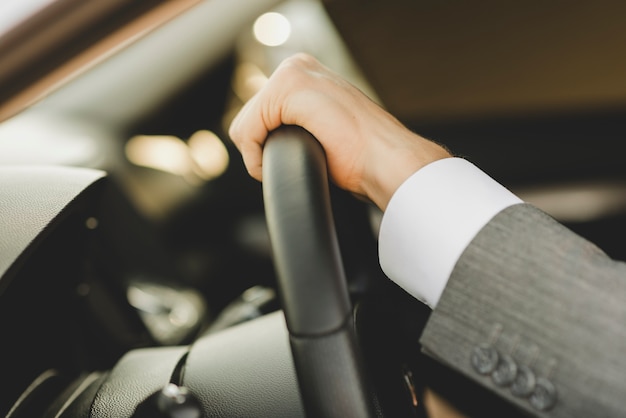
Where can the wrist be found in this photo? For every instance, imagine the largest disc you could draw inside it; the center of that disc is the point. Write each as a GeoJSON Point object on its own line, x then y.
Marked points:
{"type": "Point", "coordinates": [394, 167]}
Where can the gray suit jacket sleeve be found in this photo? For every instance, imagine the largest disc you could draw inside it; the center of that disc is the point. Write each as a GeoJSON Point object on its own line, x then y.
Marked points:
{"type": "Point", "coordinates": [537, 314]}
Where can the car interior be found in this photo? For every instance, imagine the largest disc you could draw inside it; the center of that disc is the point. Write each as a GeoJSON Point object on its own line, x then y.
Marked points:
{"type": "Point", "coordinates": [143, 273]}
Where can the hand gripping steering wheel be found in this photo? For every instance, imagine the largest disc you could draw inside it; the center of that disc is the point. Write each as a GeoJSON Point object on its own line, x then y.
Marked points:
{"type": "Point", "coordinates": [311, 278]}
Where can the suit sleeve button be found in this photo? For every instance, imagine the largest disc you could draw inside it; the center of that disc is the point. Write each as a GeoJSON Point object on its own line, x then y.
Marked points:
{"type": "Point", "coordinates": [484, 359]}
{"type": "Point", "coordinates": [505, 372]}
{"type": "Point", "coordinates": [524, 383]}
{"type": "Point", "coordinates": [544, 396]}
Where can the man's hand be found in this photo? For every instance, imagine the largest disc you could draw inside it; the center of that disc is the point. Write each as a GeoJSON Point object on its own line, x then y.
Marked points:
{"type": "Point", "coordinates": [369, 152]}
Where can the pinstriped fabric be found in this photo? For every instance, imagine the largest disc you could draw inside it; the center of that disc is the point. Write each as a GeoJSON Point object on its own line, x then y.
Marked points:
{"type": "Point", "coordinates": [532, 290]}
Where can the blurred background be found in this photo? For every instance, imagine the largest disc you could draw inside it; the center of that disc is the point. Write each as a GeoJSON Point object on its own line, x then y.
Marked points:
{"type": "Point", "coordinates": [532, 92]}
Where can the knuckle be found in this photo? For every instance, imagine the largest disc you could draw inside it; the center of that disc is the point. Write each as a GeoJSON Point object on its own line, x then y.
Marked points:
{"type": "Point", "coordinates": [296, 70]}
{"type": "Point", "coordinates": [301, 58]}
{"type": "Point", "coordinates": [305, 58]}
{"type": "Point", "coordinates": [298, 63]}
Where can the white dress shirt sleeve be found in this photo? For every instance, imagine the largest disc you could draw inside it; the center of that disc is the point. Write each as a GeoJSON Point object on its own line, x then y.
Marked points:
{"type": "Point", "coordinates": [431, 219]}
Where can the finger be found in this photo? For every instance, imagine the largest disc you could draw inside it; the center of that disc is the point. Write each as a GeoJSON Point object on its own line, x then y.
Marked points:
{"type": "Point", "coordinates": [237, 128]}
{"type": "Point", "coordinates": [252, 154]}
{"type": "Point", "coordinates": [249, 130]}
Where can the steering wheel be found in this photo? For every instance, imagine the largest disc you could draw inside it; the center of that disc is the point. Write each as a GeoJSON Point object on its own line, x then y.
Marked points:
{"type": "Point", "coordinates": [311, 278]}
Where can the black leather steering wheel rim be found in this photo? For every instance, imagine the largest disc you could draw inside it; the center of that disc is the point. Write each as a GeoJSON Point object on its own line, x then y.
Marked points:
{"type": "Point", "coordinates": [311, 279]}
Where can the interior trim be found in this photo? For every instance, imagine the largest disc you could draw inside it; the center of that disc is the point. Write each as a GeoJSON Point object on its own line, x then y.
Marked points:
{"type": "Point", "coordinates": [43, 83]}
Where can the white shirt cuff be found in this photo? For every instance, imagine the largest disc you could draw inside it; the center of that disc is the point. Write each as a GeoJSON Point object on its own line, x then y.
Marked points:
{"type": "Point", "coordinates": [431, 219]}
